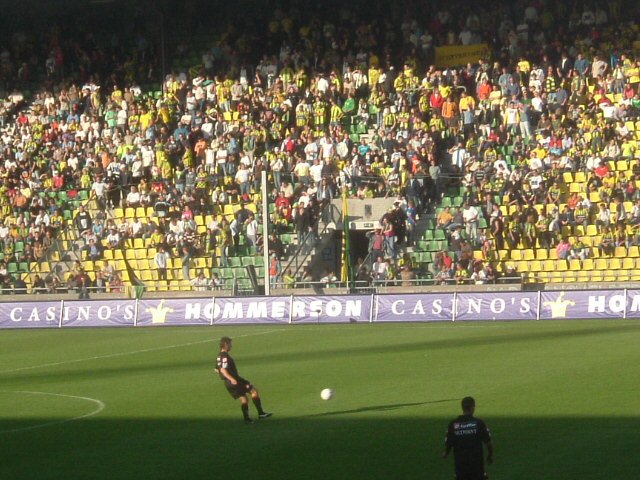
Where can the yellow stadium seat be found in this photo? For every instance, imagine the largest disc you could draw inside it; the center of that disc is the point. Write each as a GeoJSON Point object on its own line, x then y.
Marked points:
{"type": "Point", "coordinates": [582, 276]}
{"type": "Point", "coordinates": [596, 276]}
{"type": "Point", "coordinates": [615, 263]}
{"type": "Point", "coordinates": [129, 212]}
{"type": "Point", "coordinates": [143, 264]}
{"type": "Point", "coordinates": [516, 254]}
{"type": "Point", "coordinates": [542, 254]}
{"type": "Point", "coordinates": [549, 265]}
{"type": "Point", "coordinates": [561, 265]}
{"type": "Point", "coordinates": [622, 276]}
{"type": "Point", "coordinates": [581, 177]}
{"type": "Point", "coordinates": [576, 188]}
{"type": "Point", "coordinates": [620, 252]}
{"type": "Point", "coordinates": [118, 212]}
{"type": "Point", "coordinates": [117, 255]}
{"type": "Point", "coordinates": [535, 266]}
{"type": "Point", "coordinates": [628, 264]}
{"type": "Point", "coordinates": [108, 254]}
{"type": "Point", "coordinates": [556, 277]}
{"type": "Point", "coordinates": [503, 255]}
{"type": "Point", "coordinates": [528, 254]}
{"type": "Point", "coordinates": [138, 243]}
{"type": "Point", "coordinates": [609, 276]}
{"type": "Point", "coordinates": [522, 266]}
{"type": "Point", "coordinates": [570, 277]}
{"type": "Point", "coordinates": [592, 230]}
{"type": "Point", "coordinates": [601, 264]}
{"type": "Point", "coordinates": [594, 197]}
{"type": "Point", "coordinates": [633, 252]}
{"type": "Point", "coordinates": [587, 264]}
{"type": "Point", "coordinates": [543, 277]}
{"type": "Point", "coordinates": [574, 264]}
{"type": "Point", "coordinates": [568, 177]}
{"type": "Point", "coordinates": [120, 265]}
{"type": "Point", "coordinates": [553, 254]}
{"type": "Point", "coordinates": [622, 165]}
{"type": "Point", "coordinates": [129, 254]}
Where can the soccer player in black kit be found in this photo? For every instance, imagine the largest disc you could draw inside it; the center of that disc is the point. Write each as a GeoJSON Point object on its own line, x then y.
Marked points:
{"type": "Point", "coordinates": [237, 386]}
{"type": "Point", "coordinates": [465, 436]}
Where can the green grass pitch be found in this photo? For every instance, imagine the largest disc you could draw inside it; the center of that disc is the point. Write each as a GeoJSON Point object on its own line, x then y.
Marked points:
{"type": "Point", "coordinates": [561, 399]}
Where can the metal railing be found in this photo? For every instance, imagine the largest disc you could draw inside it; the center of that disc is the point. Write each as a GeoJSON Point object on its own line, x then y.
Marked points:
{"type": "Point", "coordinates": [305, 249]}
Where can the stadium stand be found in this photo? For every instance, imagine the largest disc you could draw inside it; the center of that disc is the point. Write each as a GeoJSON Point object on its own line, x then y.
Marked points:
{"type": "Point", "coordinates": [523, 167]}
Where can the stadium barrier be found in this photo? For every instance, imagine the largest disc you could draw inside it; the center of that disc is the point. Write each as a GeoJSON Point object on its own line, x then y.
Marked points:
{"type": "Point", "coordinates": [300, 309]}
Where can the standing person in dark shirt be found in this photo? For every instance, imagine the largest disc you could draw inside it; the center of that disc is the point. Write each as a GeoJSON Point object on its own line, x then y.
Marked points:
{"type": "Point", "coordinates": [465, 437]}
{"type": "Point", "coordinates": [237, 386]}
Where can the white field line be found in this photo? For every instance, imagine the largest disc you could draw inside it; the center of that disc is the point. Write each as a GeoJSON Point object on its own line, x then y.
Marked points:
{"type": "Point", "coordinates": [124, 354]}
{"type": "Point", "coordinates": [99, 407]}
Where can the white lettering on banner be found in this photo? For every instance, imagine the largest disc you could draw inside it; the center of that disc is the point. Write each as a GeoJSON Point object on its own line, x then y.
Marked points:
{"type": "Point", "coordinates": [353, 308]}
{"type": "Point", "coordinates": [437, 307]}
{"type": "Point", "coordinates": [525, 305]}
{"type": "Point", "coordinates": [84, 312]}
{"type": "Point", "coordinates": [635, 303]}
{"type": "Point", "coordinates": [297, 309]}
{"type": "Point", "coordinates": [232, 310]}
{"type": "Point", "coordinates": [315, 308]}
{"type": "Point", "coordinates": [104, 313]}
{"type": "Point", "coordinates": [498, 305]}
{"type": "Point", "coordinates": [278, 309]}
{"type": "Point", "coordinates": [13, 315]}
{"type": "Point", "coordinates": [394, 309]}
{"type": "Point", "coordinates": [192, 311]}
{"type": "Point", "coordinates": [34, 317]}
{"type": "Point", "coordinates": [418, 309]}
{"type": "Point", "coordinates": [598, 304]}
{"type": "Point", "coordinates": [257, 310]}
{"type": "Point", "coordinates": [128, 312]}
{"type": "Point", "coordinates": [474, 305]}
{"type": "Point", "coordinates": [333, 308]}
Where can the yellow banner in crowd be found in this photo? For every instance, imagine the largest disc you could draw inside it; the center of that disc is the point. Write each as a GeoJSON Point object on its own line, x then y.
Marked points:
{"type": "Point", "coordinates": [455, 55]}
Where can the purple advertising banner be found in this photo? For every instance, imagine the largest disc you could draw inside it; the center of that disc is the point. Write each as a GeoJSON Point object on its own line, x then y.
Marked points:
{"type": "Point", "coordinates": [573, 304]}
{"type": "Point", "coordinates": [99, 313]}
{"type": "Point", "coordinates": [346, 309]}
{"type": "Point", "coordinates": [30, 315]}
{"type": "Point", "coordinates": [251, 310]}
{"type": "Point", "coordinates": [183, 311]}
{"type": "Point", "coordinates": [430, 307]}
{"type": "Point", "coordinates": [497, 306]}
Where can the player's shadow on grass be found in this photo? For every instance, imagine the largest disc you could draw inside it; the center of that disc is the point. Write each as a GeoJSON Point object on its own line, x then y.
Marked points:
{"type": "Point", "coordinates": [382, 408]}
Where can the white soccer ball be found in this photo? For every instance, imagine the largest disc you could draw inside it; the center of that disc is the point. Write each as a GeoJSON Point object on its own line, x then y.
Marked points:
{"type": "Point", "coordinates": [327, 394]}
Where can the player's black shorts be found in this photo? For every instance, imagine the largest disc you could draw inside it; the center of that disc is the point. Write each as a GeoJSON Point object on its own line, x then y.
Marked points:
{"type": "Point", "coordinates": [243, 387]}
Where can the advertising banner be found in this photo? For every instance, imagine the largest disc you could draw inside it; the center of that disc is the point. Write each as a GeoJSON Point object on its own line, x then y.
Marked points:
{"type": "Point", "coordinates": [251, 310]}
{"type": "Point", "coordinates": [430, 307]}
{"type": "Point", "coordinates": [573, 304]}
{"type": "Point", "coordinates": [345, 309]}
{"type": "Point", "coordinates": [30, 315]}
{"type": "Point", "coordinates": [182, 311]}
{"type": "Point", "coordinates": [497, 306]}
{"type": "Point", "coordinates": [99, 313]}
{"type": "Point", "coordinates": [456, 55]}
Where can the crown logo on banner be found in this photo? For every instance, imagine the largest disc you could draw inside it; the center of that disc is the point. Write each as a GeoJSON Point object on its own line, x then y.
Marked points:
{"type": "Point", "coordinates": [559, 306]}
{"type": "Point", "coordinates": [159, 313]}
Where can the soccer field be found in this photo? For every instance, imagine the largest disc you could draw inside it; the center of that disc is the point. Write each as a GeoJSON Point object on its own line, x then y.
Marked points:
{"type": "Point", "coordinates": [561, 399]}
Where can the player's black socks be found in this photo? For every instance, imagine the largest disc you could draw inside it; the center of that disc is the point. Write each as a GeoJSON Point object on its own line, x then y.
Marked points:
{"type": "Point", "coordinates": [258, 404]}
{"type": "Point", "coordinates": [245, 411]}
